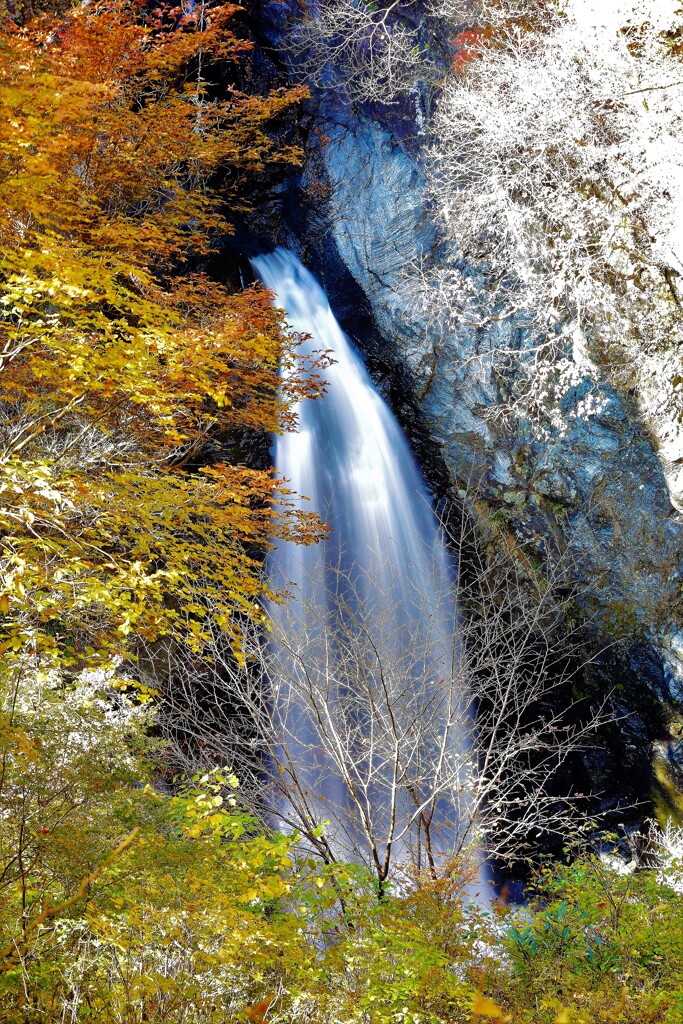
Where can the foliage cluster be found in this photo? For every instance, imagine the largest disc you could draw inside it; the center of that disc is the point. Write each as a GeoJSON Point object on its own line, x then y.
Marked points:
{"type": "Point", "coordinates": [122, 364]}
{"type": "Point", "coordinates": [124, 903]}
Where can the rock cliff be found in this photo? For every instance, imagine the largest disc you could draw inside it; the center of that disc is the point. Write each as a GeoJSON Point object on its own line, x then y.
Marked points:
{"type": "Point", "coordinates": [595, 484]}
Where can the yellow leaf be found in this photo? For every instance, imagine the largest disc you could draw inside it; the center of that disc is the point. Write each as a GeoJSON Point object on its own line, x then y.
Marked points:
{"type": "Point", "coordinates": [249, 896]}
{"type": "Point", "coordinates": [563, 1017]}
{"type": "Point", "coordinates": [482, 1006]}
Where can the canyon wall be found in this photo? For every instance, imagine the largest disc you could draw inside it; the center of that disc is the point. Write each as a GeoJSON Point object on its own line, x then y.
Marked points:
{"type": "Point", "coordinates": [594, 486]}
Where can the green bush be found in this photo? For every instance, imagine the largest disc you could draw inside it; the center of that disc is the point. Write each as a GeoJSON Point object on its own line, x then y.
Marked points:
{"type": "Point", "coordinates": [123, 904]}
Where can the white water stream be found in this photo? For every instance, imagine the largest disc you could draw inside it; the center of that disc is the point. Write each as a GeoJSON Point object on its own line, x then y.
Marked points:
{"type": "Point", "coordinates": [403, 724]}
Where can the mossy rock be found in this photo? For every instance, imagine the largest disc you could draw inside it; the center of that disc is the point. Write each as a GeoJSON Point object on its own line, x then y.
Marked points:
{"type": "Point", "coordinates": [667, 786]}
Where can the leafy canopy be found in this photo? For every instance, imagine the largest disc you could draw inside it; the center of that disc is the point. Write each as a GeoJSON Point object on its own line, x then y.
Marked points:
{"type": "Point", "coordinates": [121, 362]}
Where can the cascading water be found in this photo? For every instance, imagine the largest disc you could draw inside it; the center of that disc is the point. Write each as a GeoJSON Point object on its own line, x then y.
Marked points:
{"type": "Point", "coordinates": [371, 709]}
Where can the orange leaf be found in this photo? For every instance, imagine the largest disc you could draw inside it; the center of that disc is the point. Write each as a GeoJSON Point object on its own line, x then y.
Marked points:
{"type": "Point", "coordinates": [257, 1013]}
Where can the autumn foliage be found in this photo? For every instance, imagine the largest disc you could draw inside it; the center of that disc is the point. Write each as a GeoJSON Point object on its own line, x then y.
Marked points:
{"type": "Point", "coordinates": [467, 46]}
{"type": "Point", "coordinates": [125, 371]}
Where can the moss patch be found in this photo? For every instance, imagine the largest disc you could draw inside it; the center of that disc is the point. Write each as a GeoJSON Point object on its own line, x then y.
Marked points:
{"type": "Point", "coordinates": [667, 791]}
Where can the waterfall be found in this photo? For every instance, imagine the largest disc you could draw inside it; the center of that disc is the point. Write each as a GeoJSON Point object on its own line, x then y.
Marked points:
{"type": "Point", "coordinates": [372, 716]}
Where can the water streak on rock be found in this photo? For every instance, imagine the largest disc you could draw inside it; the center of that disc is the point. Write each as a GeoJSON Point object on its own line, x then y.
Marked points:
{"type": "Point", "coordinates": [385, 568]}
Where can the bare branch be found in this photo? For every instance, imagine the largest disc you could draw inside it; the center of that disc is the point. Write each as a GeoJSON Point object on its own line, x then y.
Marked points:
{"type": "Point", "coordinates": [385, 742]}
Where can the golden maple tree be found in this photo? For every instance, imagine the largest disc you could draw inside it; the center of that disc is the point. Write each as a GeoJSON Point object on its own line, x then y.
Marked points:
{"type": "Point", "coordinates": [120, 363]}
